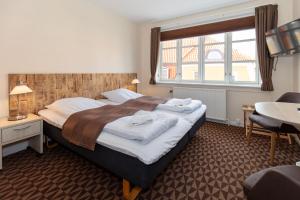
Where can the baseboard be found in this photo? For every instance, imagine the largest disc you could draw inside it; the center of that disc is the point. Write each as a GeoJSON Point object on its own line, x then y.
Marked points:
{"type": "Point", "coordinates": [227, 122]}
{"type": "Point", "coordinates": [235, 123]}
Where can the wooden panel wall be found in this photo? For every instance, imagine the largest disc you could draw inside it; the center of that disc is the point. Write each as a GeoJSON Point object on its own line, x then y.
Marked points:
{"type": "Point", "coordinates": [49, 87]}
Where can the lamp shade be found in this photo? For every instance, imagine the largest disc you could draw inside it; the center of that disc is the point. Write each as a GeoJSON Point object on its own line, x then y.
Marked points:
{"type": "Point", "coordinates": [20, 89]}
{"type": "Point", "coordinates": [135, 81]}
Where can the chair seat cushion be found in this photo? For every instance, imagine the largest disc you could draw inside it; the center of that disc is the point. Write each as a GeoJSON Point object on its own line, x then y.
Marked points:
{"type": "Point", "coordinates": [290, 171]}
{"type": "Point", "coordinates": [265, 122]}
{"type": "Point", "coordinates": [273, 125]}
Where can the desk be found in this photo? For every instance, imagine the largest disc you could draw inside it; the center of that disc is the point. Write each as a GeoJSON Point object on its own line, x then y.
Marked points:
{"type": "Point", "coordinates": [284, 112]}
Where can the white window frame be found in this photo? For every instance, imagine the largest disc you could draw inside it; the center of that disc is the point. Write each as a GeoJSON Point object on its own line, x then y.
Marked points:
{"type": "Point", "coordinates": [228, 80]}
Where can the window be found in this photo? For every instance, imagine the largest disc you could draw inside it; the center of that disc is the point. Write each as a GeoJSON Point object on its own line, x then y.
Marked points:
{"type": "Point", "coordinates": [244, 56]}
{"type": "Point", "coordinates": [225, 58]}
{"type": "Point", "coordinates": [189, 58]}
{"type": "Point", "coordinates": [169, 60]}
{"type": "Point", "coordinates": [214, 57]}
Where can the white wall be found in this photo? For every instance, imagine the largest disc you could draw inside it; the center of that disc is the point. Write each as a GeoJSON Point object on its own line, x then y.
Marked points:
{"type": "Point", "coordinates": [56, 36]}
{"type": "Point", "coordinates": [283, 78]}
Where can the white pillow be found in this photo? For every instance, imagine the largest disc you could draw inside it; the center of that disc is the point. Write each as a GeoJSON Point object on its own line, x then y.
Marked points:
{"type": "Point", "coordinates": [69, 106]}
{"type": "Point", "coordinates": [121, 95]}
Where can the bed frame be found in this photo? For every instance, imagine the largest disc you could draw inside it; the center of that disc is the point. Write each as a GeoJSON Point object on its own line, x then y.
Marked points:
{"type": "Point", "coordinates": [49, 87]}
{"type": "Point", "coordinates": [132, 170]}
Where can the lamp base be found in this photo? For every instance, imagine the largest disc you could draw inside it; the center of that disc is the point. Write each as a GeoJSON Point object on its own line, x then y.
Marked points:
{"type": "Point", "coordinates": [17, 117]}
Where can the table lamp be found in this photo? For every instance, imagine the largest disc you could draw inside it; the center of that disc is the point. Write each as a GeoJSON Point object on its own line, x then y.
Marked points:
{"type": "Point", "coordinates": [21, 88]}
{"type": "Point", "coordinates": [133, 85]}
{"type": "Point", "coordinates": [135, 81]}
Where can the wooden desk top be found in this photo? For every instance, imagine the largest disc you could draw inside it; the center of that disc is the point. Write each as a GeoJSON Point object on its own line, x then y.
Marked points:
{"type": "Point", "coordinates": [248, 107]}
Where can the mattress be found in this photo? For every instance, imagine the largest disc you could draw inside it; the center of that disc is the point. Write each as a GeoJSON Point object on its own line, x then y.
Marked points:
{"type": "Point", "coordinates": [190, 117]}
{"type": "Point", "coordinates": [146, 153]}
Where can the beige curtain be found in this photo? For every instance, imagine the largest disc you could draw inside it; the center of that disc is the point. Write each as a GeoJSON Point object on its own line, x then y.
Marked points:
{"type": "Point", "coordinates": [155, 43]}
{"type": "Point", "coordinates": [266, 18]}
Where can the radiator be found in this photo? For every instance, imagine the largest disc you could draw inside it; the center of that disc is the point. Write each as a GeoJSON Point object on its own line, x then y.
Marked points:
{"type": "Point", "coordinates": [214, 99]}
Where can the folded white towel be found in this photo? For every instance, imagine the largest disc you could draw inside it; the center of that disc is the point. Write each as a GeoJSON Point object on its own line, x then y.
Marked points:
{"type": "Point", "coordinates": [144, 133]}
{"type": "Point", "coordinates": [142, 117]}
{"type": "Point", "coordinates": [195, 104]}
{"type": "Point", "coordinates": [179, 102]}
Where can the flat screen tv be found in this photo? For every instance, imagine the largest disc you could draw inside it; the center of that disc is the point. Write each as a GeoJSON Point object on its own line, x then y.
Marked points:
{"type": "Point", "coordinates": [284, 40]}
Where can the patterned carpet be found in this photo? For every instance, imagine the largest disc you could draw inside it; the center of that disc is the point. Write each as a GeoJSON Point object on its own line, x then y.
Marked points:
{"type": "Point", "coordinates": [212, 167]}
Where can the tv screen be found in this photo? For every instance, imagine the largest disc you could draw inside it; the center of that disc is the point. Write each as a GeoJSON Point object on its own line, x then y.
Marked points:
{"type": "Point", "coordinates": [274, 44]}
{"type": "Point", "coordinates": [284, 40]}
{"type": "Point", "coordinates": [289, 34]}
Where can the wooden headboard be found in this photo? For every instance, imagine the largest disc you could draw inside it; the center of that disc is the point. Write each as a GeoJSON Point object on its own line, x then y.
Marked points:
{"type": "Point", "coordinates": [49, 87]}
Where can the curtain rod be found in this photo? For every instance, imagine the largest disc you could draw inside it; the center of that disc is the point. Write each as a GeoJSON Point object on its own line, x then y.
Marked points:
{"type": "Point", "coordinates": [209, 19]}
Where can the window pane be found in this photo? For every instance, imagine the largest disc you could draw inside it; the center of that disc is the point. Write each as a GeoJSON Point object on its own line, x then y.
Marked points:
{"type": "Point", "coordinates": [243, 35]}
{"type": "Point", "coordinates": [190, 41]}
{"type": "Point", "coordinates": [169, 55]}
{"type": "Point", "coordinates": [214, 72]}
{"type": "Point", "coordinates": [214, 53]}
{"type": "Point", "coordinates": [243, 51]}
{"type": "Point", "coordinates": [189, 54]}
{"type": "Point", "coordinates": [215, 38]}
{"type": "Point", "coordinates": [169, 44]}
{"type": "Point", "coordinates": [168, 72]}
{"type": "Point", "coordinates": [190, 72]}
{"type": "Point", "coordinates": [244, 72]}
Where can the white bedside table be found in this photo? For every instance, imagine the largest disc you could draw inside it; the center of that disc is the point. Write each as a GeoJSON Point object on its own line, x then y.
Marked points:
{"type": "Point", "coordinates": [30, 129]}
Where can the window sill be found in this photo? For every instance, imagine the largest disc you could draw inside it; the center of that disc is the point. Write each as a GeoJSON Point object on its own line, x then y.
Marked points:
{"type": "Point", "coordinates": [221, 85]}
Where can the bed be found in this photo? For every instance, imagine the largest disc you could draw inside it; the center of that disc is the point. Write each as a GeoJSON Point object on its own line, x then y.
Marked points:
{"type": "Point", "coordinates": [137, 169]}
{"type": "Point", "coordinates": [132, 169]}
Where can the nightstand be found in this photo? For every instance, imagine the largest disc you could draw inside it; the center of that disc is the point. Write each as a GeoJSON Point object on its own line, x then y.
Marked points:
{"type": "Point", "coordinates": [248, 110]}
{"type": "Point", "coordinates": [30, 129]}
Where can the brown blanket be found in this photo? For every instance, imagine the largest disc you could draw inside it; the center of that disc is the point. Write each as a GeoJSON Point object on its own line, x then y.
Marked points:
{"type": "Point", "coordinates": [83, 128]}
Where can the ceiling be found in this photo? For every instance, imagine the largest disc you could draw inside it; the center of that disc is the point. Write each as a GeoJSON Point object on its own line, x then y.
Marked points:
{"type": "Point", "coordinates": [154, 10]}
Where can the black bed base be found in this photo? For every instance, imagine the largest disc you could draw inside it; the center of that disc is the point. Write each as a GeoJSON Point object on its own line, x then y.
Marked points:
{"type": "Point", "coordinates": [122, 165]}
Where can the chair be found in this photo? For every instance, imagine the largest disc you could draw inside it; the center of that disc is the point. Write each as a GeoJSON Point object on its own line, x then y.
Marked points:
{"type": "Point", "coordinates": [274, 126]}
{"type": "Point", "coordinates": [276, 183]}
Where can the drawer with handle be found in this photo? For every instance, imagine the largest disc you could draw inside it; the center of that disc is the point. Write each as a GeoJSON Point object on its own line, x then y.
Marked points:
{"type": "Point", "coordinates": [21, 131]}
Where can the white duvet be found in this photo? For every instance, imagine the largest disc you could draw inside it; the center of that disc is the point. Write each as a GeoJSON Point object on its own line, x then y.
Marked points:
{"type": "Point", "coordinates": [147, 153]}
